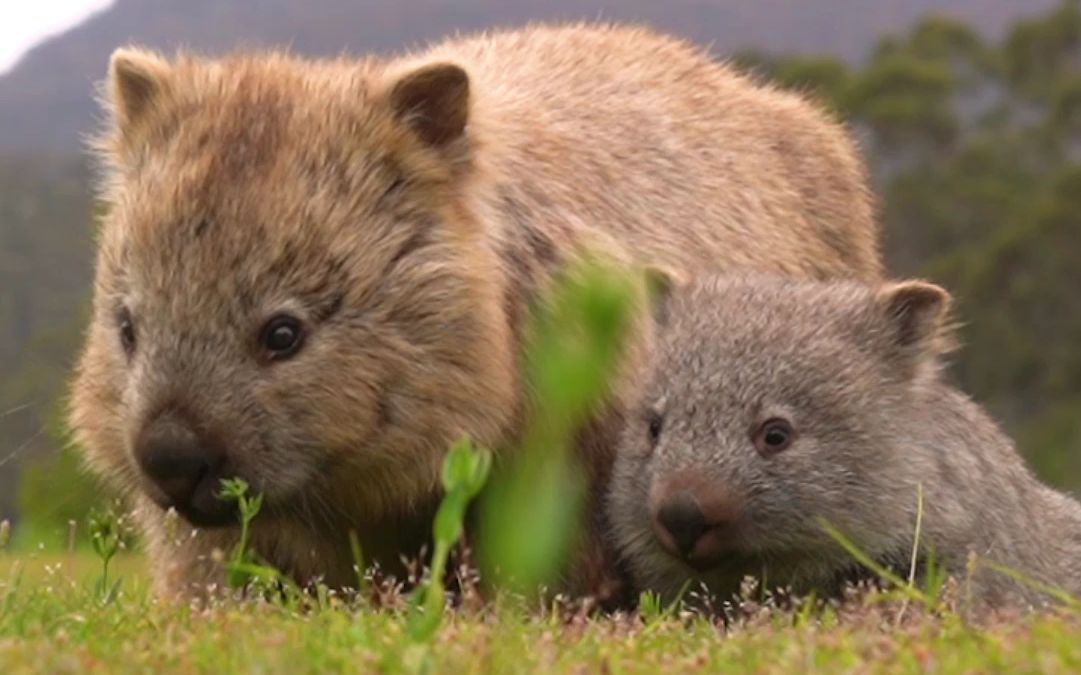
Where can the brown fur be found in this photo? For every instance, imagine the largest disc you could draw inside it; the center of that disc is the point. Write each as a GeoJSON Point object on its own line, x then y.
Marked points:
{"type": "Point", "coordinates": [349, 193]}
{"type": "Point", "coordinates": [855, 369]}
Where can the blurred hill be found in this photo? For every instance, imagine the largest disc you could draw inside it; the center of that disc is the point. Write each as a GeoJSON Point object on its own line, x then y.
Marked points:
{"type": "Point", "coordinates": [45, 100]}
{"type": "Point", "coordinates": [970, 118]}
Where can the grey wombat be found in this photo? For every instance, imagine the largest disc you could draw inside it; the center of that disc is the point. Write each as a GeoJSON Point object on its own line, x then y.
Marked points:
{"type": "Point", "coordinates": [773, 404]}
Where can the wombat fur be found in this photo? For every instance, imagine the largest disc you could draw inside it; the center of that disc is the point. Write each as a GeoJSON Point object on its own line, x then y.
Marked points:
{"type": "Point", "coordinates": [313, 275]}
{"type": "Point", "coordinates": [775, 404]}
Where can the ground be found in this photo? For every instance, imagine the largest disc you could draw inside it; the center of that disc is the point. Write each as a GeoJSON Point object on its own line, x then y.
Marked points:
{"type": "Point", "coordinates": [53, 619]}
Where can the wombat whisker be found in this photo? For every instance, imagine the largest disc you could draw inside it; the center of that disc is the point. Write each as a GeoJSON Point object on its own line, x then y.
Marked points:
{"type": "Point", "coordinates": [21, 447]}
{"type": "Point", "coordinates": [16, 409]}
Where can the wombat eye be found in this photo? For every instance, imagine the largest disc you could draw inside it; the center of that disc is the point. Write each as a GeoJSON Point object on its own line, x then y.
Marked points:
{"type": "Point", "coordinates": [127, 331]}
{"type": "Point", "coordinates": [774, 436]}
{"type": "Point", "coordinates": [282, 336]}
{"type": "Point", "coordinates": [656, 425]}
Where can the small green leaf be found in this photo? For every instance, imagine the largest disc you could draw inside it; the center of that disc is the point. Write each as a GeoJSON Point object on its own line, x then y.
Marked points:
{"type": "Point", "coordinates": [448, 519]}
{"type": "Point", "coordinates": [482, 466]}
{"type": "Point", "coordinates": [458, 465]}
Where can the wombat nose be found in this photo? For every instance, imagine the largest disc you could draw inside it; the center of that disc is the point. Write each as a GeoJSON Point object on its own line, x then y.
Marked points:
{"type": "Point", "coordinates": [177, 470]}
{"type": "Point", "coordinates": [183, 468]}
{"type": "Point", "coordinates": [681, 518]}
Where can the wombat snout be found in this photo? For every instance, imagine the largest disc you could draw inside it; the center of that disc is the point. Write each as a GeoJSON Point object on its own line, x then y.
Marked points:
{"type": "Point", "coordinates": [694, 521]}
{"type": "Point", "coordinates": [681, 522]}
{"type": "Point", "coordinates": [184, 468]}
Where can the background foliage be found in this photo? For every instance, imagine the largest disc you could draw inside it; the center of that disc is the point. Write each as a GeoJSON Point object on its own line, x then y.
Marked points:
{"type": "Point", "coordinates": [976, 150]}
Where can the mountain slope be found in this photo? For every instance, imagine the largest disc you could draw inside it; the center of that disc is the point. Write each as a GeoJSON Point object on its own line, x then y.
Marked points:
{"type": "Point", "coordinates": [46, 100]}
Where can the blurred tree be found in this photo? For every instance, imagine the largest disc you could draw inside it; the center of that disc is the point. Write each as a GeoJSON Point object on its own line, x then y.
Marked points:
{"type": "Point", "coordinates": [976, 152]}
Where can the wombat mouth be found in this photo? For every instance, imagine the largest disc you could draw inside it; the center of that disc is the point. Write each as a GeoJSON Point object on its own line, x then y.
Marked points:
{"type": "Point", "coordinates": [206, 513]}
{"type": "Point", "coordinates": [725, 563]}
{"type": "Point", "coordinates": [216, 517]}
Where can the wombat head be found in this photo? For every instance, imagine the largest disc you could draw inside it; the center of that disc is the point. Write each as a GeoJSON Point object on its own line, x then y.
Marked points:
{"type": "Point", "coordinates": [771, 405]}
{"type": "Point", "coordinates": [288, 290]}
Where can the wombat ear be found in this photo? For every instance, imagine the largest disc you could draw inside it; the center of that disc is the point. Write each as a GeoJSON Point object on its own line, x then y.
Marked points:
{"type": "Point", "coordinates": [660, 284]}
{"type": "Point", "coordinates": [137, 82]}
{"type": "Point", "coordinates": [916, 313]}
{"type": "Point", "coordinates": [434, 102]}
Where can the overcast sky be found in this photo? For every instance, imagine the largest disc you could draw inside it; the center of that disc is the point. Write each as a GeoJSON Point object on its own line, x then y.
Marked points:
{"type": "Point", "coordinates": [24, 23]}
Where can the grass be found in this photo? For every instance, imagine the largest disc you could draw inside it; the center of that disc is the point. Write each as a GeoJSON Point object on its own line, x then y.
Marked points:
{"type": "Point", "coordinates": [54, 620]}
{"type": "Point", "coordinates": [91, 611]}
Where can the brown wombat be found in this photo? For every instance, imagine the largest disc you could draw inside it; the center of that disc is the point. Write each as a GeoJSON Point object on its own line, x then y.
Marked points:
{"type": "Point", "coordinates": [312, 275]}
{"type": "Point", "coordinates": [775, 403]}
